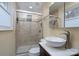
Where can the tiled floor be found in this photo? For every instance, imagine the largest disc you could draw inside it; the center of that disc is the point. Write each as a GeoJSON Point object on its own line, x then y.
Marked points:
{"type": "Point", "coordinates": [23, 54]}
{"type": "Point", "coordinates": [23, 50]}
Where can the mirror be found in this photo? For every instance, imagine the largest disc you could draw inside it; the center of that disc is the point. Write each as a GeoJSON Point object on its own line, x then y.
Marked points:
{"type": "Point", "coordinates": [6, 22]}
{"type": "Point", "coordinates": [71, 14]}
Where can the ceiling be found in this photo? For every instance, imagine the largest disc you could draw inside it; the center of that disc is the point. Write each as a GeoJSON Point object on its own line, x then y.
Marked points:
{"type": "Point", "coordinates": [30, 6]}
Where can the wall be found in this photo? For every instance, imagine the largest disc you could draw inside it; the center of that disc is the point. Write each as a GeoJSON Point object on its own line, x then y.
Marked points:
{"type": "Point", "coordinates": [55, 32]}
{"type": "Point", "coordinates": [47, 31]}
{"type": "Point", "coordinates": [45, 21]}
{"type": "Point", "coordinates": [7, 38]}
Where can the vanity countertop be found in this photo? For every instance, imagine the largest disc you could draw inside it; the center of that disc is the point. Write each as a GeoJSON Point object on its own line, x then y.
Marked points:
{"type": "Point", "coordinates": [59, 51]}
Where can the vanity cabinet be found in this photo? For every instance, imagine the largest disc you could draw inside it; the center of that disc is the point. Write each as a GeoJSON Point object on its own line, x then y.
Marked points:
{"type": "Point", "coordinates": [43, 52]}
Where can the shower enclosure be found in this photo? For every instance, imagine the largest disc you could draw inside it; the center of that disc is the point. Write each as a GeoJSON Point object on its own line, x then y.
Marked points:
{"type": "Point", "coordinates": [28, 31]}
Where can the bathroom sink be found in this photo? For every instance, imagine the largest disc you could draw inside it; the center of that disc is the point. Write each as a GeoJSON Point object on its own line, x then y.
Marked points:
{"type": "Point", "coordinates": [55, 41]}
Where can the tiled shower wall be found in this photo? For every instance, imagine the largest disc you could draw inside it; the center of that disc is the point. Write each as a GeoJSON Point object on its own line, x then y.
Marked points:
{"type": "Point", "coordinates": [28, 33]}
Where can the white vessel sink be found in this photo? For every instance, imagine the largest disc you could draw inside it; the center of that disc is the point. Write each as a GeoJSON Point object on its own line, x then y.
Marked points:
{"type": "Point", "coordinates": [55, 41]}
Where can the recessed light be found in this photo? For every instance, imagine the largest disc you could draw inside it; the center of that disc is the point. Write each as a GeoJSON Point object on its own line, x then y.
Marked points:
{"type": "Point", "coordinates": [30, 7]}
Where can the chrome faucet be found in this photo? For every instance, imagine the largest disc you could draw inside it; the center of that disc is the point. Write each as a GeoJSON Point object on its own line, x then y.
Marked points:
{"type": "Point", "coordinates": [67, 33]}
